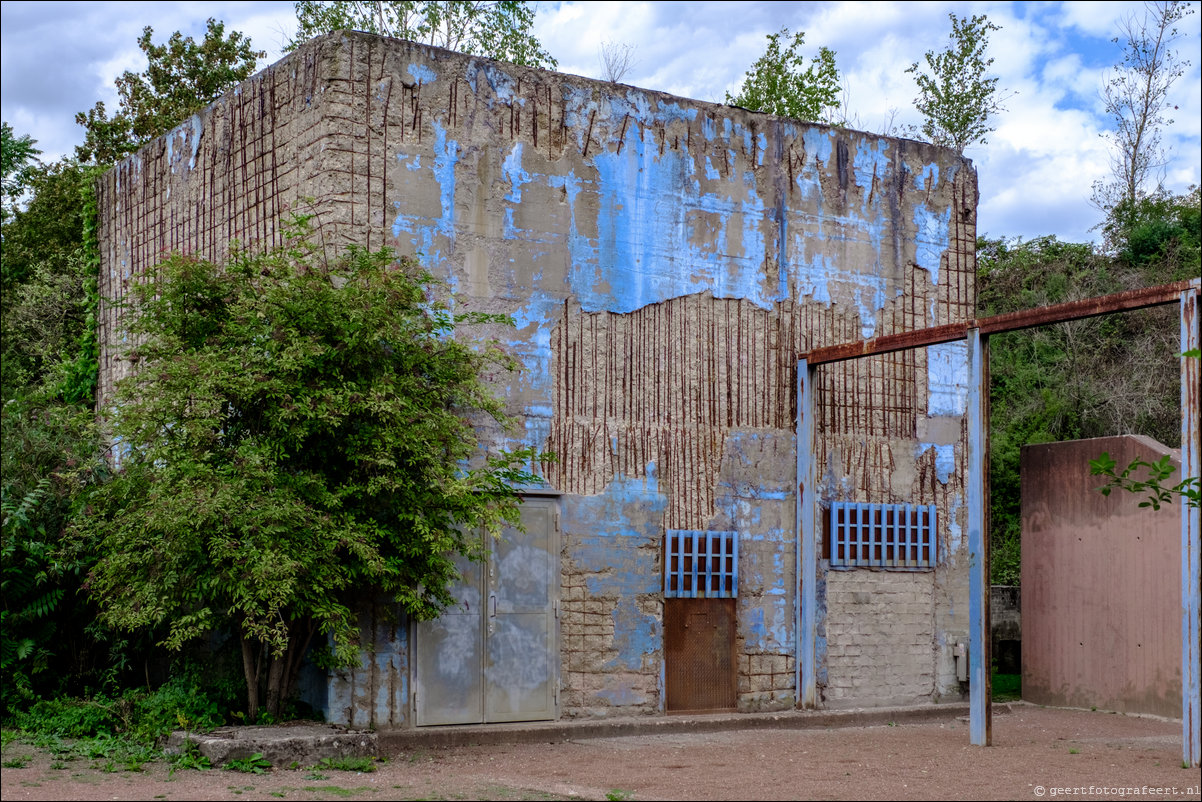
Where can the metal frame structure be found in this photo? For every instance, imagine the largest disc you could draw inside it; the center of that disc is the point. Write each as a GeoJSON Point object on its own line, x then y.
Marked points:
{"type": "Point", "coordinates": [976, 333]}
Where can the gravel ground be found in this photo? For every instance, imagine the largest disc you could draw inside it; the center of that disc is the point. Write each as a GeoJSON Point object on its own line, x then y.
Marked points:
{"type": "Point", "coordinates": [1036, 753]}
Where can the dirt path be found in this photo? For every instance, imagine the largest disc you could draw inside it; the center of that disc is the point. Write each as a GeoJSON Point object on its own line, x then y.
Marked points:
{"type": "Point", "coordinates": [1035, 750]}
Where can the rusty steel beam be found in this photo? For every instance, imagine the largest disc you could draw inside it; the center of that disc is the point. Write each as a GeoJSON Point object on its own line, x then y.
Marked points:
{"type": "Point", "coordinates": [889, 343]}
{"type": "Point", "coordinates": [1087, 307]}
{"type": "Point", "coordinates": [1011, 321]}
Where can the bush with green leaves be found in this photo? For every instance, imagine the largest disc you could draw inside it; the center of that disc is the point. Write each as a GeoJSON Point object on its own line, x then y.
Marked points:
{"type": "Point", "coordinates": [50, 461]}
{"type": "Point", "coordinates": [1069, 380]}
{"type": "Point", "coordinates": [299, 436]}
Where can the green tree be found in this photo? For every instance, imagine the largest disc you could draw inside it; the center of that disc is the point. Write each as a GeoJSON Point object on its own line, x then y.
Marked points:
{"type": "Point", "coordinates": [955, 97]}
{"type": "Point", "coordinates": [780, 83]}
{"type": "Point", "coordinates": [51, 458]}
{"type": "Point", "coordinates": [181, 78]}
{"type": "Point", "coordinates": [1070, 380]}
{"type": "Point", "coordinates": [44, 276]}
{"type": "Point", "coordinates": [1136, 98]}
{"type": "Point", "coordinates": [299, 437]}
{"type": "Point", "coordinates": [16, 155]}
{"type": "Point", "coordinates": [502, 30]}
{"type": "Point", "coordinates": [1159, 233]}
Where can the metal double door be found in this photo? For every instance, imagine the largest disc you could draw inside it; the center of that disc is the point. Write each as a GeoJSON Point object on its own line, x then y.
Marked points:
{"type": "Point", "coordinates": [494, 656]}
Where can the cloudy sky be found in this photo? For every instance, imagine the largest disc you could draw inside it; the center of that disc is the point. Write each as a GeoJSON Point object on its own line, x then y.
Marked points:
{"type": "Point", "coordinates": [1035, 173]}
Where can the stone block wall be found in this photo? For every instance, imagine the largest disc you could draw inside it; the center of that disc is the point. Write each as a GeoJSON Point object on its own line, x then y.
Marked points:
{"type": "Point", "coordinates": [880, 638]}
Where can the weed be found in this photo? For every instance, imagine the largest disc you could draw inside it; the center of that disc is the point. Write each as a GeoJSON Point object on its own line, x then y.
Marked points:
{"type": "Point", "coordinates": [16, 762]}
{"type": "Point", "coordinates": [255, 764]}
{"type": "Point", "coordinates": [58, 765]}
{"type": "Point", "coordinates": [316, 775]}
{"type": "Point", "coordinates": [1074, 751]}
{"type": "Point", "coordinates": [618, 795]}
{"type": "Point", "coordinates": [190, 757]}
{"type": "Point", "coordinates": [361, 764]}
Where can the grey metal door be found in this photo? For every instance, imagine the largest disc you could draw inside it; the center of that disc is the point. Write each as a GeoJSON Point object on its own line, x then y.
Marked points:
{"type": "Point", "coordinates": [493, 658]}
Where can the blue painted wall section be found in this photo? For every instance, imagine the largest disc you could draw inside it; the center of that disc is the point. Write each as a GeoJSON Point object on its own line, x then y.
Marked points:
{"type": "Point", "coordinates": [613, 542]}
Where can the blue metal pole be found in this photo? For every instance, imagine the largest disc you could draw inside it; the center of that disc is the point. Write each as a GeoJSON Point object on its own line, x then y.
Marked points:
{"type": "Point", "coordinates": [807, 546]}
{"type": "Point", "coordinates": [976, 486]}
{"type": "Point", "coordinates": [1191, 459]}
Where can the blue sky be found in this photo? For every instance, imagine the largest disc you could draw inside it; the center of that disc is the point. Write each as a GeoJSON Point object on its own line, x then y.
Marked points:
{"type": "Point", "coordinates": [1034, 175]}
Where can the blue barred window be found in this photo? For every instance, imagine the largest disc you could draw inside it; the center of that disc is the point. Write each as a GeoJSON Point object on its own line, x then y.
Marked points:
{"type": "Point", "coordinates": [701, 565]}
{"type": "Point", "coordinates": [899, 537]}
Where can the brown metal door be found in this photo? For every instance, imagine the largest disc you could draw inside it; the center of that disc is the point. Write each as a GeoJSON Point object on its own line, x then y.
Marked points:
{"type": "Point", "coordinates": [699, 655]}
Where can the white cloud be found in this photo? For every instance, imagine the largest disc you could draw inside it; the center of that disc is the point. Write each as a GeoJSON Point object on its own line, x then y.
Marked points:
{"type": "Point", "coordinates": [1035, 174]}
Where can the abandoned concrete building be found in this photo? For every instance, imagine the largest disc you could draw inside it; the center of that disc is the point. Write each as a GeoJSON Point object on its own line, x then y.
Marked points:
{"type": "Point", "coordinates": [666, 262]}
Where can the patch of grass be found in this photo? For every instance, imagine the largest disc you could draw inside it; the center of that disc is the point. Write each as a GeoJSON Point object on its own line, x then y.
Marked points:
{"type": "Point", "coordinates": [255, 764]}
{"type": "Point", "coordinates": [361, 764]}
{"type": "Point", "coordinates": [1007, 687]}
{"type": "Point", "coordinates": [316, 775]}
{"type": "Point", "coordinates": [19, 762]}
{"type": "Point", "coordinates": [619, 795]}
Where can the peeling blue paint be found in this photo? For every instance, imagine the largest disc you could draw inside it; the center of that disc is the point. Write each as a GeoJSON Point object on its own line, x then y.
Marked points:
{"type": "Point", "coordinates": [927, 177]}
{"type": "Point", "coordinates": [412, 166]}
{"type": "Point", "coordinates": [947, 379]}
{"type": "Point", "coordinates": [931, 238]}
{"type": "Point", "coordinates": [945, 459]}
{"type": "Point", "coordinates": [514, 172]}
{"type": "Point", "coordinates": [650, 210]}
{"type": "Point", "coordinates": [424, 229]}
{"type": "Point", "coordinates": [635, 634]}
{"type": "Point", "coordinates": [621, 554]}
{"type": "Point", "coordinates": [955, 528]}
{"type": "Point", "coordinates": [422, 74]}
{"type": "Point", "coordinates": [532, 342]}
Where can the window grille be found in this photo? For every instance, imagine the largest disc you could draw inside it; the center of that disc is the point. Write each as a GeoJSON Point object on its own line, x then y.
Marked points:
{"type": "Point", "coordinates": [900, 537]}
{"type": "Point", "coordinates": [701, 565]}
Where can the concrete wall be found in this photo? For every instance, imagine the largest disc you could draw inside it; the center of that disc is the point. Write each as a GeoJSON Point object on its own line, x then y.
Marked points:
{"type": "Point", "coordinates": [1101, 584]}
{"type": "Point", "coordinates": [665, 261]}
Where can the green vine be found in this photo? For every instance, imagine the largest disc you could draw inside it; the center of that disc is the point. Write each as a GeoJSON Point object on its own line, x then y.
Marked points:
{"type": "Point", "coordinates": [82, 373]}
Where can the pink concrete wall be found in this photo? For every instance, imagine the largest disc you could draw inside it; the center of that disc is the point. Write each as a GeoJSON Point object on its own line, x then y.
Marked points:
{"type": "Point", "coordinates": [1101, 584]}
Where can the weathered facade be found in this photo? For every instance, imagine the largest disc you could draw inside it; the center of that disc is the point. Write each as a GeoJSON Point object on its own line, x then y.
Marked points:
{"type": "Point", "coordinates": [666, 262]}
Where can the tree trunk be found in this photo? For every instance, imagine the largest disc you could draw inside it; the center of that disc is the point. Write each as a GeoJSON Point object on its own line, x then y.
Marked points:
{"type": "Point", "coordinates": [275, 685]}
{"type": "Point", "coordinates": [250, 670]}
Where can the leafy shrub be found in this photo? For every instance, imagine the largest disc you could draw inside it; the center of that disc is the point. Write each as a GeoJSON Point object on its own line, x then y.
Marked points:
{"type": "Point", "coordinates": [69, 718]}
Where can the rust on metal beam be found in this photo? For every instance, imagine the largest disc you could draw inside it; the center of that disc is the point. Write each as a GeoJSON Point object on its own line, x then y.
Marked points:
{"type": "Point", "coordinates": [1087, 307]}
{"type": "Point", "coordinates": [889, 343]}
{"type": "Point", "coordinates": [1011, 321]}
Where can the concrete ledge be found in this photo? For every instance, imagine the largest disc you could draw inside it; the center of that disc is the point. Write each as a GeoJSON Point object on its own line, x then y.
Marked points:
{"type": "Point", "coordinates": [281, 746]}
{"type": "Point", "coordinates": [392, 742]}
{"type": "Point", "coordinates": [307, 744]}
